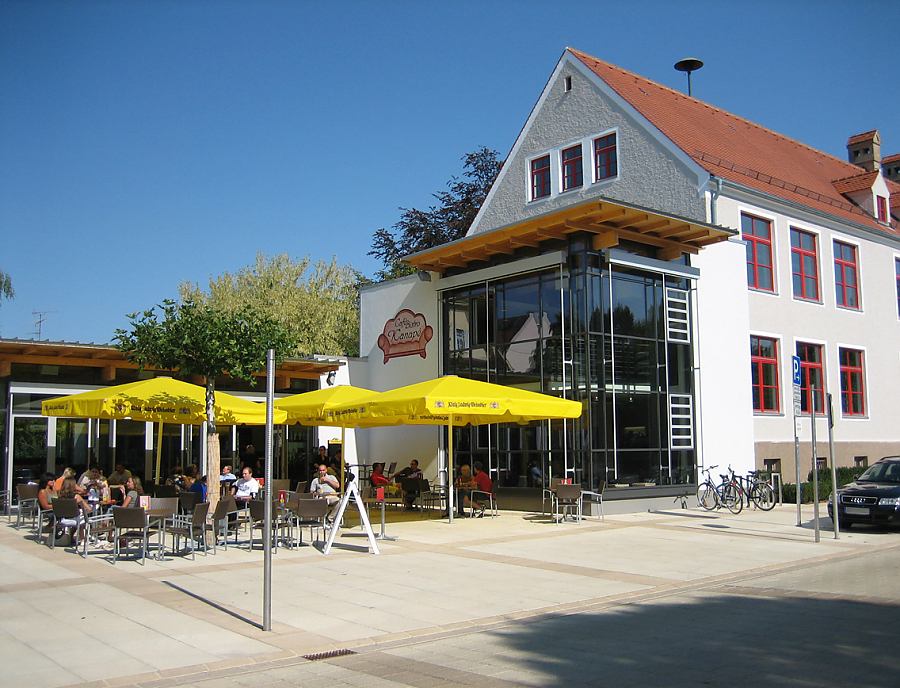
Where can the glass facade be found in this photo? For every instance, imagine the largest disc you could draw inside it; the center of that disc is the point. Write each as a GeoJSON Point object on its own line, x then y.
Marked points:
{"type": "Point", "coordinates": [616, 338]}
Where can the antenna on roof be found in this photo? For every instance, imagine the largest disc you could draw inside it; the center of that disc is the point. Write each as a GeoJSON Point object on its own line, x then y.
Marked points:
{"type": "Point", "coordinates": [688, 64]}
{"type": "Point", "coordinates": [39, 321]}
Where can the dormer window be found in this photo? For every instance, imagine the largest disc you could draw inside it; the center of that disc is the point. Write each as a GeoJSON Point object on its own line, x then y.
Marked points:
{"type": "Point", "coordinates": [882, 207]}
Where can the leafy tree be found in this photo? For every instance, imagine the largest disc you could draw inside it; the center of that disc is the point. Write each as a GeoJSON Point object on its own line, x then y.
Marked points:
{"type": "Point", "coordinates": [450, 219]}
{"type": "Point", "coordinates": [197, 339]}
{"type": "Point", "coordinates": [318, 302]}
{"type": "Point", "coordinates": [6, 288]}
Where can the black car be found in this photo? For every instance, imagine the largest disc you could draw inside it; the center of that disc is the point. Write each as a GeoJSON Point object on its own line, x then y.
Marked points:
{"type": "Point", "coordinates": [874, 497]}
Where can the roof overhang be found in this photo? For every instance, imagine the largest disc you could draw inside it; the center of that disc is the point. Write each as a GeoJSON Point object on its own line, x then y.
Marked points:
{"type": "Point", "coordinates": [110, 358]}
{"type": "Point", "coordinates": [609, 221]}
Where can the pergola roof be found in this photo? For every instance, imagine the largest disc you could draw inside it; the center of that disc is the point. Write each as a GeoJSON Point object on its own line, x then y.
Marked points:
{"type": "Point", "coordinates": [610, 222]}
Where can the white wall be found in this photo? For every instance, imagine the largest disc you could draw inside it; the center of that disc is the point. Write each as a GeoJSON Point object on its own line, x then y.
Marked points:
{"type": "Point", "coordinates": [380, 303]}
{"type": "Point", "coordinates": [725, 401]}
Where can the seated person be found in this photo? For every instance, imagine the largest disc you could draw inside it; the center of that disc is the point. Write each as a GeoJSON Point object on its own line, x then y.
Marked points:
{"type": "Point", "coordinates": [69, 472]}
{"type": "Point", "coordinates": [464, 484]}
{"type": "Point", "coordinates": [190, 475]}
{"type": "Point", "coordinates": [69, 491]}
{"type": "Point", "coordinates": [92, 482]}
{"type": "Point", "coordinates": [47, 491]}
{"type": "Point", "coordinates": [245, 488]}
{"type": "Point", "coordinates": [199, 485]}
{"type": "Point", "coordinates": [379, 479]}
{"type": "Point", "coordinates": [177, 479]}
{"type": "Point", "coordinates": [119, 476]}
{"type": "Point", "coordinates": [326, 486]}
{"type": "Point", "coordinates": [227, 476]}
{"type": "Point", "coordinates": [411, 471]}
{"type": "Point", "coordinates": [132, 489]}
{"type": "Point", "coordinates": [485, 485]}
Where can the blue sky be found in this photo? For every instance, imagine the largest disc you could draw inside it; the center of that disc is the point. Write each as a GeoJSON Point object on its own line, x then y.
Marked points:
{"type": "Point", "coordinates": [145, 143]}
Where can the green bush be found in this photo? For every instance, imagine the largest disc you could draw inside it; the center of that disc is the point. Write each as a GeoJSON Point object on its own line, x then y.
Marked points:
{"type": "Point", "coordinates": [845, 475]}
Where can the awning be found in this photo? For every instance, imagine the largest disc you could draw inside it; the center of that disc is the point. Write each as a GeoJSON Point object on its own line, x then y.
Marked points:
{"type": "Point", "coordinates": [610, 221]}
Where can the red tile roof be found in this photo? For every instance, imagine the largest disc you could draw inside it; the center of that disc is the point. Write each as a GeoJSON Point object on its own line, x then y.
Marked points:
{"type": "Point", "coordinates": [737, 149]}
{"type": "Point", "coordinates": [865, 136]}
{"type": "Point", "coordinates": [890, 158]}
{"type": "Point", "coordinates": [863, 180]}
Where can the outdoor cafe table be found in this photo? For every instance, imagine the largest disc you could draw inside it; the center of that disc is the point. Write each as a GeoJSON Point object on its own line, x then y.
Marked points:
{"type": "Point", "coordinates": [157, 519]}
{"type": "Point", "coordinates": [394, 499]}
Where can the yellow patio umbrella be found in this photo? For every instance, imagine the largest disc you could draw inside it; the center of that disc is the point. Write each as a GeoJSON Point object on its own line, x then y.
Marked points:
{"type": "Point", "coordinates": [452, 400]}
{"type": "Point", "coordinates": [311, 408]}
{"type": "Point", "coordinates": [159, 400]}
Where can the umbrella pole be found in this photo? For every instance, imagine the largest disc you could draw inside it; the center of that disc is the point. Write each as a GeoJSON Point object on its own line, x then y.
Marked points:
{"type": "Point", "coordinates": [159, 439]}
{"type": "Point", "coordinates": [343, 457]}
{"type": "Point", "coordinates": [450, 506]}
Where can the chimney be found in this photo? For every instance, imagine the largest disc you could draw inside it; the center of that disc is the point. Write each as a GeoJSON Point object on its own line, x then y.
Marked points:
{"type": "Point", "coordinates": [890, 167]}
{"type": "Point", "coordinates": [865, 150]}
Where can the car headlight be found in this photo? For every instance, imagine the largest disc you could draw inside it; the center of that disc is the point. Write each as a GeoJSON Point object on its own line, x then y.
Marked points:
{"type": "Point", "coordinates": [889, 501]}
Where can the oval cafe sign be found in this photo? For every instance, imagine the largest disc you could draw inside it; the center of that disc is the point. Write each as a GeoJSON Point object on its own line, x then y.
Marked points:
{"type": "Point", "coordinates": [406, 334]}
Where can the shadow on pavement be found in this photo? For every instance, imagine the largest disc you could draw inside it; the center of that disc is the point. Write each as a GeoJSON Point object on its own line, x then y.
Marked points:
{"type": "Point", "coordinates": [726, 640]}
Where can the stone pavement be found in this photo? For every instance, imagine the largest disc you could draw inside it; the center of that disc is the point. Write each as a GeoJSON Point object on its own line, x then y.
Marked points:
{"type": "Point", "coordinates": [676, 598]}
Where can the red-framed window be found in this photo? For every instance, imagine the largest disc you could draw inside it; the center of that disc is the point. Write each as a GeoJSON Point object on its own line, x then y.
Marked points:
{"type": "Point", "coordinates": [757, 235]}
{"type": "Point", "coordinates": [812, 377]}
{"type": "Point", "coordinates": [764, 362]}
{"type": "Point", "coordinates": [846, 275]}
{"type": "Point", "coordinates": [804, 265]}
{"type": "Point", "coordinates": [540, 177]}
{"type": "Point", "coordinates": [897, 271]}
{"type": "Point", "coordinates": [853, 389]}
{"type": "Point", "coordinates": [573, 172]}
{"type": "Point", "coordinates": [606, 163]}
{"type": "Point", "coordinates": [882, 208]}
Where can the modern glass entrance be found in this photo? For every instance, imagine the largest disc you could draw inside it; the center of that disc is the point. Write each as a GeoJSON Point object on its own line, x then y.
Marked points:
{"type": "Point", "coordinates": [613, 334]}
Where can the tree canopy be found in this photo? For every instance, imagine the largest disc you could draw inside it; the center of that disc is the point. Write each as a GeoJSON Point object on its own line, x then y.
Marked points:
{"type": "Point", "coordinates": [6, 288]}
{"type": "Point", "coordinates": [448, 220]}
{"type": "Point", "coordinates": [317, 302]}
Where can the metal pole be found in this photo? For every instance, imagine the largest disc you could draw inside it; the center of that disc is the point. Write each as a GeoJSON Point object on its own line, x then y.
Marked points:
{"type": "Point", "coordinates": [450, 505]}
{"type": "Point", "coordinates": [834, 506]}
{"type": "Point", "coordinates": [267, 530]}
{"type": "Point", "coordinates": [815, 460]}
{"type": "Point", "coordinates": [797, 467]}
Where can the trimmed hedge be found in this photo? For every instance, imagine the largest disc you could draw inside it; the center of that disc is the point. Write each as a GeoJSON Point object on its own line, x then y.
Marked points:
{"type": "Point", "coordinates": [845, 475]}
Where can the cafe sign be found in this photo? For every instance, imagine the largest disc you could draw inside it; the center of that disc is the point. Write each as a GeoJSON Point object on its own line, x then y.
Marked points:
{"type": "Point", "coordinates": [406, 334]}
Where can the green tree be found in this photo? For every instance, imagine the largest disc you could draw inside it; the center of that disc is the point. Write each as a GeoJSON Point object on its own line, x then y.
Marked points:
{"type": "Point", "coordinates": [197, 339]}
{"type": "Point", "coordinates": [450, 219]}
{"type": "Point", "coordinates": [318, 302]}
{"type": "Point", "coordinates": [6, 288]}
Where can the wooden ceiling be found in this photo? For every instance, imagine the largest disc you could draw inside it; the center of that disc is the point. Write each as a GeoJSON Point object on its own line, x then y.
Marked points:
{"type": "Point", "coordinates": [109, 358]}
{"type": "Point", "coordinates": [608, 221]}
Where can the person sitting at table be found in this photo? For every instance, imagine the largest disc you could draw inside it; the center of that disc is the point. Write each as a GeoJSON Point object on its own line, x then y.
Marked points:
{"type": "Point", "coordinates": [326, 487]}
{"type": "Point", "coordinates": [411, 471]}
{"type": "Point", "coordinates": [379, 479]}
{"type": "Point", "coordinates": [227, 476]}
{"type": "Point", "coordinates": [199, 485]}
{"type": "Point", "coordinates": [132, 489]}
{"type": "Point", "coordinates": [92, 479]}
{"type": "Point", "coordinates": [190, 475]}
{"type": "Point", "coordinates": [465, 481]}
{"type": "Point", "coordinates": [177, 479]}
{"type": "Point", "coordinates": [119, 476]}
{"type": "Point", "coordinates": [68, 472]}
{"type": "Point", "coordinates": [47, 491]}
{"type": "Point", "coordinates": [485, 484]}
{"type": "Point", "coordinates": [69, 491]}
{"type": "Point", "coordinates": [246, 487]}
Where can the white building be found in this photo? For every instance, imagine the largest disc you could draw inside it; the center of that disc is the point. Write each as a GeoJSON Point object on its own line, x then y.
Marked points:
{"type": "Point", "coordinates": [660, 260]}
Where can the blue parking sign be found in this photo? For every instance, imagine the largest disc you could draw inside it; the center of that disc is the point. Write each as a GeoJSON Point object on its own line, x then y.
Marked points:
{"type": "Point", "coordinates": [795, 362]}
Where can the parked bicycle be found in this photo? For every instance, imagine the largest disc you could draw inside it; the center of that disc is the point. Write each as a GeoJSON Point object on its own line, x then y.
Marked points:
{"type": "Point", "coordinates": [728, 493]}
{"type": "Point", "coordinates": [759, 492]}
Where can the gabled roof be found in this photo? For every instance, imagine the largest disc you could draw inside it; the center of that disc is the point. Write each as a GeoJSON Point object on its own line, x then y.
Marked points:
{"type": "Point", "coordinates": [737, 149]}
{"type": "Point", "coordinates": [859, 182]}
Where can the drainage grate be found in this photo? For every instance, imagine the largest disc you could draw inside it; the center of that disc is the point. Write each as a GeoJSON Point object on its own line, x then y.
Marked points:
{"type": "Point", "coordinates": [328, 655]}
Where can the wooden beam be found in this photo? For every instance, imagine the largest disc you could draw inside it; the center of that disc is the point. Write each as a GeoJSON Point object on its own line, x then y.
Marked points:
{"type": "Point", "coordinates": [108, 374]}
{"type": "Point", "coordinates": [524, 241]}
{"type": "Point", "coordinates": [5, 368]}
{"type": "Point", "coordinates": [584, 226]}
{"type": "Point", "coordinates": [668, 254]}
{"type": "Point", "coordinates": [500, 248]}
{"type": "Point", "coordinates": [654, 241]}
{"type": "Point", "coordinates": [677, 229]}
{"type": "Point", "coordinates": [452, 260]}
{"type": "Point", "coordinates": [652, 226]}
{"type": "Point", "coordinates": [605, 240]}
{"type": "Point", "coordinates": [550, 234]}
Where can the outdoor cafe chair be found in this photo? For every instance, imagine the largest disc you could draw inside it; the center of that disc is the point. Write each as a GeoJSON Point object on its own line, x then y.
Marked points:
{"type": "Point", "coordinates": [257, 508]}
{"type": "Point", "coordinates": [567, 498]}
{"type": "Point", "coordinates": [432, 496]}
{"type": "Point", "coordinates": [308, 513]}
{"type": "Point", "coordinates": [481, 497]}
{"type": "Point", "coordinates": [548, 493]}
{"type": "Point", "coordinates": [44, 521]}
{"type": "Point", "coordinates": [97, 527]}
{"type": "Point", "coordinates": [596, 496]}
{"type": "Point", "coordinates": [191, 527]}
{"type": "Point", "coordinates": [130, 523]}
{"type": "Point", "coordinates": [224, 521]}
{"type": "Point", "coordinates": [188, 500]}
{"type": "Point", "coordinates": [26, 496]}
{"type": "Point", "coordinates": [64, 510]}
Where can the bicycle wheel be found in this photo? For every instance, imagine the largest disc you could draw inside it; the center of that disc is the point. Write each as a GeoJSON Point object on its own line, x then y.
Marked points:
{"type": "Point", "coordinates": [733, 498]}
{"type": "Point", "coordinates": [763, 496]}
{"type": "Point", "coordinates": [706, 496]}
